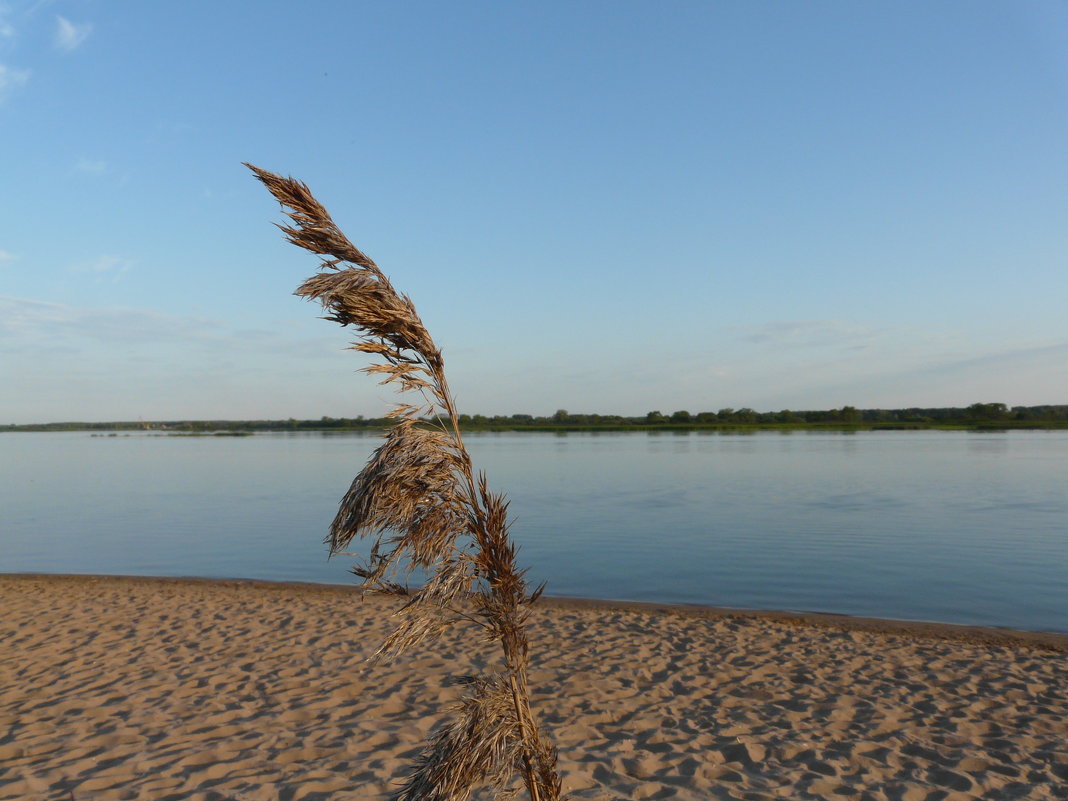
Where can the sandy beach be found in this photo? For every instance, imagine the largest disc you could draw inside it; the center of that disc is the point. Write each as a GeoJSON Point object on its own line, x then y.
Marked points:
{"type": "Point", "coordinates": [161, 689]}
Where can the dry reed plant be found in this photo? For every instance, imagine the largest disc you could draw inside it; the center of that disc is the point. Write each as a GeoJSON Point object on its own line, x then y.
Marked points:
{"type": "Point", "coordinates": [420, 502]}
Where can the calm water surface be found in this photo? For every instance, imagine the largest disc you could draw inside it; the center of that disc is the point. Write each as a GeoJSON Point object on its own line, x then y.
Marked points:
{"type": "Point", "coordinates": [948, 526]}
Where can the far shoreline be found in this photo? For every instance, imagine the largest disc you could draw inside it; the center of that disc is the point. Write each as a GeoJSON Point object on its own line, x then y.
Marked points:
{"type": "Point", "coordinates": [908, 629]}
{"type": "Point", "coordinates": [229, 428]}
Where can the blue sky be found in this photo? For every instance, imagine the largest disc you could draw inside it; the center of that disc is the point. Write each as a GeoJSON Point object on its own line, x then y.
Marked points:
{"type": "Point", "coordinates": [597, 206]}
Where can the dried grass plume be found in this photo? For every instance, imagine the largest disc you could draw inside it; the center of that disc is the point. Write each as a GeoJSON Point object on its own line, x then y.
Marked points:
{"type": "Point", "coordinates": [422, 507]}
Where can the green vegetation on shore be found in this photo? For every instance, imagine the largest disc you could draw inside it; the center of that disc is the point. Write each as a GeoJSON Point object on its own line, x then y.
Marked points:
{"type": "Point", "coordinates": [978, 415]}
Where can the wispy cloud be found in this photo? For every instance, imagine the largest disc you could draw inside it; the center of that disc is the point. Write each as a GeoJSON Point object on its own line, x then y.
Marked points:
{"type": "Point", "coordinates": [7, 30]}
{"type": "Point", "coordinates": [70, 35]}
{"type": "Point", "coordinates": [1052, 357]}
{"type": "Point", "coordinates": [1025, 375]}
{"type": "Point", "coordinates": [103, 265]}
{"type": "Point", "coordinates": [91, 166]}
{"type": "Point", "coordinates": [27, 325]}
{"type": "Point", "coordinates": [808, 333]}
{"type": "Point", "coordinates": [39, 320]}
{"type": "Point", "coordinates": [6, 256]}
{"type": "Point", "coordinates": [11, 79]}
{"type": "Point", "coordinates": [31, 9]}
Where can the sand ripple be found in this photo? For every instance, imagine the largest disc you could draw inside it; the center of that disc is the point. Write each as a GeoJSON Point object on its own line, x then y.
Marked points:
{"type": "Point", "coordinates": [210, 691]}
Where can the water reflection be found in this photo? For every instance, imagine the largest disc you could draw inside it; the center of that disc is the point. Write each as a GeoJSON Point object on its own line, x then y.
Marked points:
{"type": "Point", "coordinates": [961, 526]}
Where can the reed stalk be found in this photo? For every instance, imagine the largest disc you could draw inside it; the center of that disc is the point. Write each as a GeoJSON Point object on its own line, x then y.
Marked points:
{"type": "Point", "coordinates": [423, 507]}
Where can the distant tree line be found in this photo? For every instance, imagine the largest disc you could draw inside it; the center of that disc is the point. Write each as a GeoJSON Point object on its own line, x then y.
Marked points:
{"type": "Point", "coordinates": [978, 414]}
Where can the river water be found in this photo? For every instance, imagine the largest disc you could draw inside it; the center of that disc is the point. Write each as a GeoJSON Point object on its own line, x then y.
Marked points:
{"type": "Point", "coordinates": [949, 526]}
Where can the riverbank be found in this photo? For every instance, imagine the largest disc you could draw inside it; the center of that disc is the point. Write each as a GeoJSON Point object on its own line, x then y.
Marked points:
{"type": "Point", "coordinates": [129, 688]}
{"type": "Point", "coordinates": [246, 428]}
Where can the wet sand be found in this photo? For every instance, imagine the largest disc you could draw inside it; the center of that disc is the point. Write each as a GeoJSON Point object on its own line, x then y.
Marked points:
{"type": "Point", "coordinates": [168, 689]}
